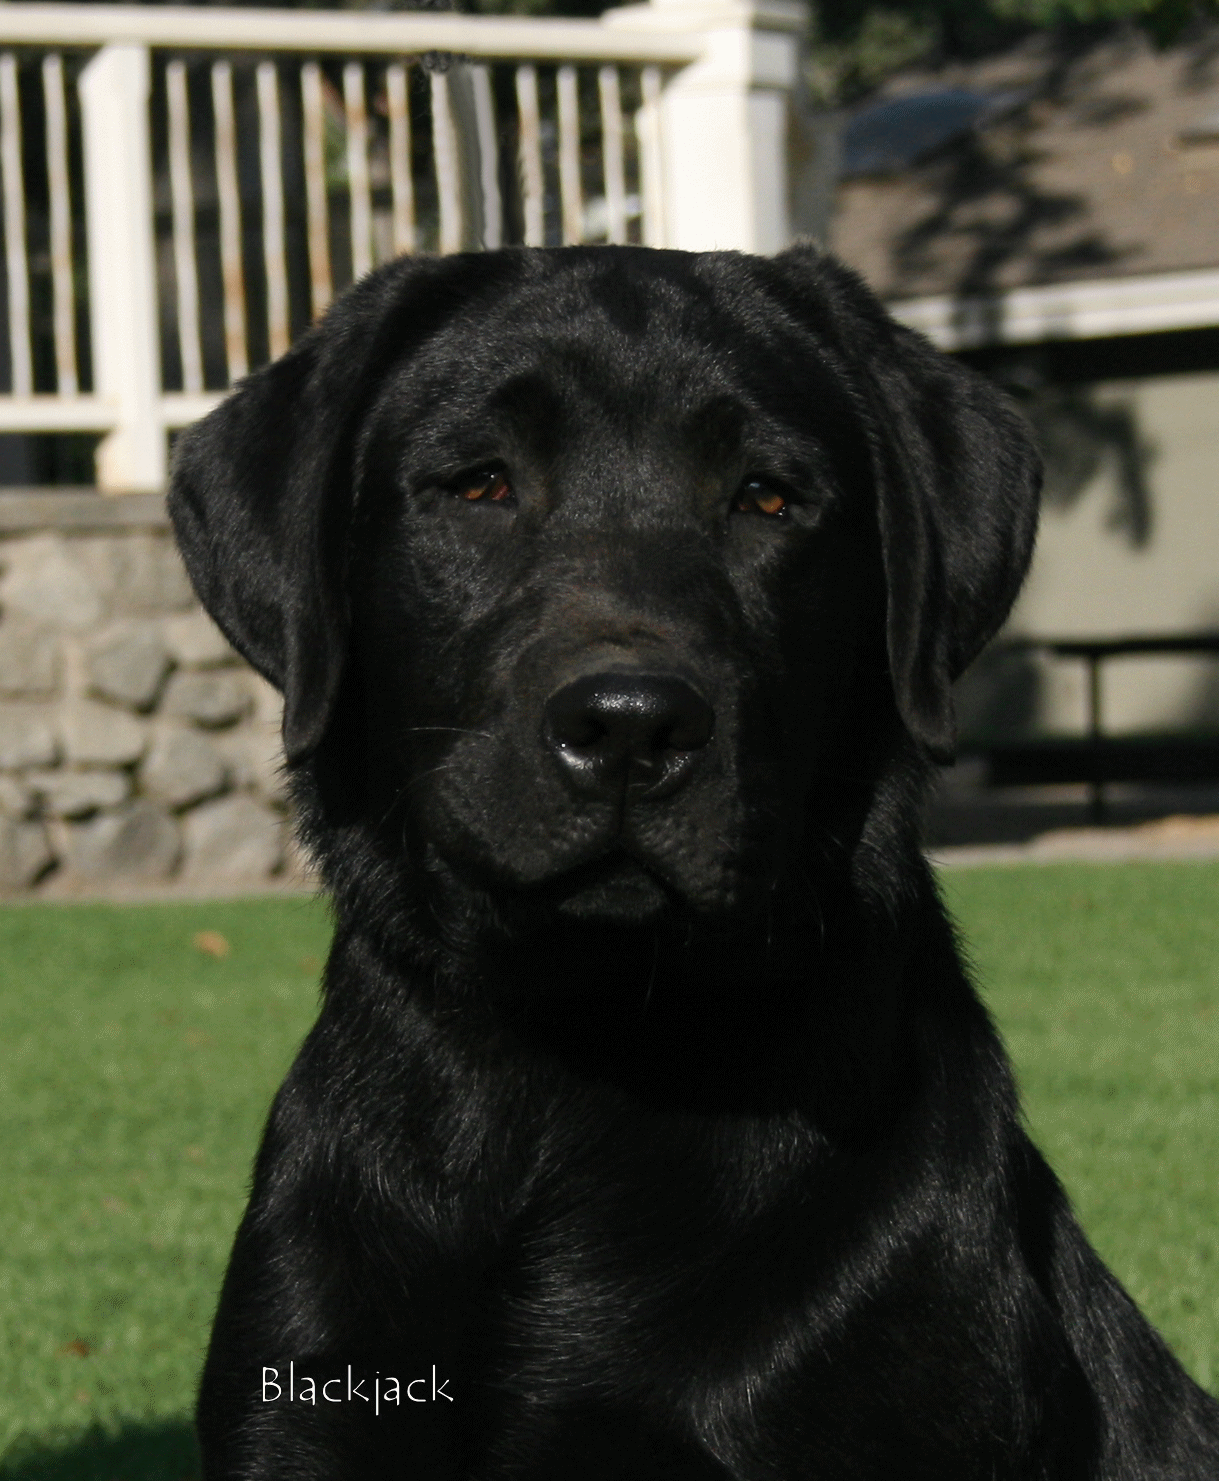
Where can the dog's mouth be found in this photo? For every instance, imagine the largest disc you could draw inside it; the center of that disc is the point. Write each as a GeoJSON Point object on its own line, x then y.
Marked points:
{"type": "Point", "coordinates": [616, 886]}
{"type": "Point", "coordinates": [623, 886]}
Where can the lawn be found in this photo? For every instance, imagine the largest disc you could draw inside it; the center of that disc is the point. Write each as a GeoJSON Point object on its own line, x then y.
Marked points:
{"type": "Point", "coordinates": [137, 1070]}
{"type": "Point", "coordinates": [142, 1045]}
{"type": "Point", "coordinates": [1105, 982]}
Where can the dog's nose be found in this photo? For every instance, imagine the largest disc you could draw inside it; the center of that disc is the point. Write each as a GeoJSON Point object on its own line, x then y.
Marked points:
{"type": "Point", "coordinates": [642, 731]}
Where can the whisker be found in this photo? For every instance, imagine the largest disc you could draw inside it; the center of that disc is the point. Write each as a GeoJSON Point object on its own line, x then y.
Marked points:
{"type": "Point", "coordinates": [411, 782]}
{"type": "Point", "coordinates": [423, 776]}
{"type": "Point", "coordinates": [450, 730]}
{"type": "Point", "coordinates": [647, 997]}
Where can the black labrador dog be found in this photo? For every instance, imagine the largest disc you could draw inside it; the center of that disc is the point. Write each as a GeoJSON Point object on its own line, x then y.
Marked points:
{"type": "Point", "coordinates": [651, 1127]}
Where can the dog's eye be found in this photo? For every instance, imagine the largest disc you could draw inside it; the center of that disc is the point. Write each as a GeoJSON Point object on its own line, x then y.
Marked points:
{"type": "Point", "coordinates": [756, 497]}
{"type": "Point", "coordinates": [493, 487]}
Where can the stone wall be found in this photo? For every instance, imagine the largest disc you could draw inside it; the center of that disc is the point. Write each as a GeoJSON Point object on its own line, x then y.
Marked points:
{"type": "Point", "coordinates": [137, 751]}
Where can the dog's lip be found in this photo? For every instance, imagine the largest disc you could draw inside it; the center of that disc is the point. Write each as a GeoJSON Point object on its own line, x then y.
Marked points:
{"type": "Point", "coordinates": [590, 867]}
{"type": "Point", "coordinates": [742, 879]}
{"type": "Point", "coordinates": [612, 862]}
{"type": "Point", "coordinates": [554, 868]}
{"type": "Point", "coordinates": [583, 869]}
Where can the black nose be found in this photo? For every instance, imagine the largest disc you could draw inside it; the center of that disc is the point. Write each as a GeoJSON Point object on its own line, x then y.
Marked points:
{"type": "Point", "coordinates": [637, 730]}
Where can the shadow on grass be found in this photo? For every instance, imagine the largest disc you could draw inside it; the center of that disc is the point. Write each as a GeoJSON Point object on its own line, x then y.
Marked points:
{"type": "Point", "coordinates": [163, 1451]}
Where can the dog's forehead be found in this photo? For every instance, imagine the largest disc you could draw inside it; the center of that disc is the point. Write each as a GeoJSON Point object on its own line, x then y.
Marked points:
{"type": "Point", "coordinates": [633, 342]}
{"type": "Point", "coordinates": [631, 300]}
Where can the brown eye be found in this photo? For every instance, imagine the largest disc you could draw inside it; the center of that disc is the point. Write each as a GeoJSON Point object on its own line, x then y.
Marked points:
{"type": "Point", "coordinates": [758, 498]}
{"type": "Point", "coordinates": [492, 487]}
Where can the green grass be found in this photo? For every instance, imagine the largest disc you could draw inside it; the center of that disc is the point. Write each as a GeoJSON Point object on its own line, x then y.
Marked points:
{"type": "Point", "coordinates": [137, 1069]}
{"type": "Point", "coordinates": [135, 1075]}
{"type": "Point", "coordinates": [1105, 982]}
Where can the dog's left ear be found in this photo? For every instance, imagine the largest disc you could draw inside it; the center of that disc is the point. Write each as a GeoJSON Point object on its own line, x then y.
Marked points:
{"type": "Point", "coordinates": [262, 489]}
{"type": "Point", "coordinates": [957, 483]}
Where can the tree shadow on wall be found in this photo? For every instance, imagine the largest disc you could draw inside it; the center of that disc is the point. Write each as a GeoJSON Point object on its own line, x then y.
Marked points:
{"type": "Point", "coordinates": [160, 1451]}
{"type": "Point", "coordinates": [989, 221]}
{"type": "Point", "coordinates": [1078, 437]}
{"type": "Point", "coordinates": [1000, 697]}
{"type": "Point", "coordinates": [985, 214]}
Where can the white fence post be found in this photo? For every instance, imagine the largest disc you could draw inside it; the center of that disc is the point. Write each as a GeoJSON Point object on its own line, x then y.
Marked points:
{"type": "Point", "coordinates": [725, 120]}
{"type": "Point", "coordinates": [114, 91]}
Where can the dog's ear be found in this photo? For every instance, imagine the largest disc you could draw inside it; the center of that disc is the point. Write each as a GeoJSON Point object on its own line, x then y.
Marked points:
{"type": "Point", "coordinates": [262, 489]}
{"type": "Point", "coordinates": [957, 480]}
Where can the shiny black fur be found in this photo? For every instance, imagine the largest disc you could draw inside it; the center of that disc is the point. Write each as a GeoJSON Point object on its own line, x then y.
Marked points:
{"type": "Point", "coordinates": [656, 1119]}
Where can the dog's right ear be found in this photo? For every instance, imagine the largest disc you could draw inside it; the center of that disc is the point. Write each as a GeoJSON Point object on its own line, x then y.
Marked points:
{"type": "Point", "coordinates": [956, 480]}
{"type": "Point", "coordinates": [262, 489]}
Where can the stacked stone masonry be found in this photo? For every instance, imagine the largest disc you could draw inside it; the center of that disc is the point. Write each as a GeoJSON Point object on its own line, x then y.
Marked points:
{"type": "Point", "coordinates": [137, 750]}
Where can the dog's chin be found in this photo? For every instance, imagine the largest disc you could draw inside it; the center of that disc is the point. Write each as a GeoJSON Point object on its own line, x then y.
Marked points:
{"type": "Point", "coordinates": [616, 890]}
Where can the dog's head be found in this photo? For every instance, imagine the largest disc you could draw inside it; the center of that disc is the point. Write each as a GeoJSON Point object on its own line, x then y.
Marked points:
{"type": "Point", "coordinates": [604, 578]}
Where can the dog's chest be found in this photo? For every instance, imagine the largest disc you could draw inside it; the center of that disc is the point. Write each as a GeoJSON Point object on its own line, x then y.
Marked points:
{"type": "Point", "coordinates": [645, 1264]}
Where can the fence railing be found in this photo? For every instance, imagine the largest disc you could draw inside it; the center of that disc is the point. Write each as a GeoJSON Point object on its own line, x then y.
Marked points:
{"type": "Point", "coordinates": [184, 190]}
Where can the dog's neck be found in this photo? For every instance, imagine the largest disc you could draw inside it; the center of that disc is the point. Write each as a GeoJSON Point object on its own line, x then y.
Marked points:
{"type": "Point", "coordinates": [678, 1015]}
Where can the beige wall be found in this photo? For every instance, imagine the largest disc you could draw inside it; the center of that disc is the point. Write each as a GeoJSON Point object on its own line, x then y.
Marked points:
{"type": "Point", "coordinates": [1153, 443]}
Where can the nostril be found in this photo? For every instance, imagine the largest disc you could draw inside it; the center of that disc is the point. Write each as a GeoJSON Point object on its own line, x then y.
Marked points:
{"type": "Point", "coordinates": [578, 729]}
{"type": "Point", "coordinates": [642, 729]}
{"type": "Point", "coordinates": [691, 730]}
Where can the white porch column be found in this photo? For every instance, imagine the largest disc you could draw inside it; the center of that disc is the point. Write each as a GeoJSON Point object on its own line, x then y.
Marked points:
{"type": "Point", "coordinates": [725, 119]}
{"type": "Point", "coordinates": [114, 90]}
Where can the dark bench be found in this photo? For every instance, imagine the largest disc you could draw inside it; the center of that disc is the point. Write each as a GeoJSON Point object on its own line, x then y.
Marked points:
{"type": "Point", "coordinates": [1094, 757]}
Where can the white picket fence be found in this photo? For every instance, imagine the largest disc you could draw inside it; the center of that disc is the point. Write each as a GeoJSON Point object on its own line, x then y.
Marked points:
{"type": "Point", "coordinates": [184, 190]}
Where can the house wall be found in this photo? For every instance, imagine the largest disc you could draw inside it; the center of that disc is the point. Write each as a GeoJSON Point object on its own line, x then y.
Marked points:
{"type": "Point", "coordinates": [1128, 544]}
{"type": "Point", "coordinates": [136, 749]}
